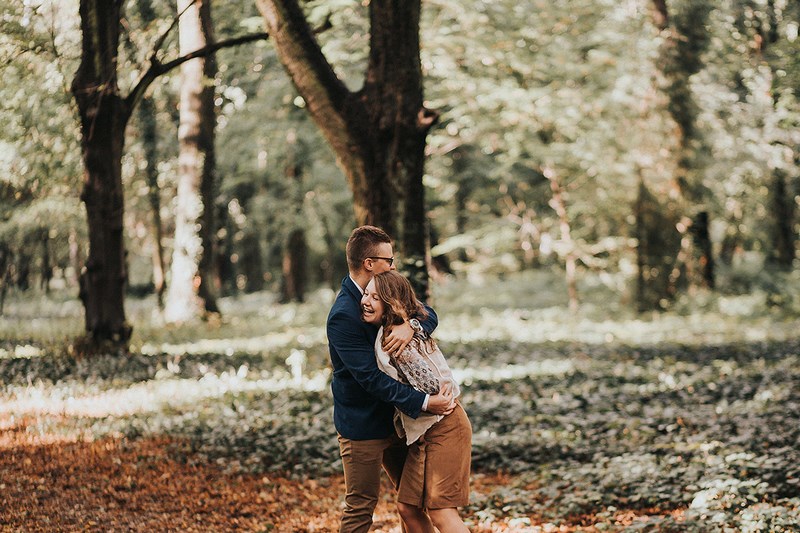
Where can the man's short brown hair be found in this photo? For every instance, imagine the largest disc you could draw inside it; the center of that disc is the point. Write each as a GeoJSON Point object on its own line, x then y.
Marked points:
{"type": "Point", "coordinates": [363, 243]}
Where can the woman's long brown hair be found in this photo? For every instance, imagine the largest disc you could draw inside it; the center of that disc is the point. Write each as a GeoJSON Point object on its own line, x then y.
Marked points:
{"type": "Point", "coordinates": [397, 295]}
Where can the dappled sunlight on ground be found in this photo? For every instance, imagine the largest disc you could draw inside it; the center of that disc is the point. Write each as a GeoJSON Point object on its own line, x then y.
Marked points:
{"type": "Point", "coordinates": [154, 395]}
{"type": "Point", "coordinates": [306, 336]}
{"type": "Point", "coordinates": [507, 372]}
{"type": "Point", "coordinates": [557, 325]}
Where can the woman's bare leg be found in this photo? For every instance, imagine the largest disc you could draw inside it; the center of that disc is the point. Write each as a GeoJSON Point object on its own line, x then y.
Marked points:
{"type": "Point", "coordinates": [414, 519]}
{"type": "Point", "coordinates": [447, 520]}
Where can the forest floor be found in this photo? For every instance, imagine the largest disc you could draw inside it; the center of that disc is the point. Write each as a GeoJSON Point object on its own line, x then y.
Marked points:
{"type": "Point", "coordinates": [600, 420]}
{"type": "Point", "coordinates": [117, 484]}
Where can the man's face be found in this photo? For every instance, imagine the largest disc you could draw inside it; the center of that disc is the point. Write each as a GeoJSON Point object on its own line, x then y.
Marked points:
{"type": "Point", "coordinates": [383, 260]}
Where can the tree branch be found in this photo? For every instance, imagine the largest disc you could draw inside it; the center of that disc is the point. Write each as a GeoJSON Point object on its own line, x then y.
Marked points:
{"type": "Point", "coordinates": [163, 37]}
{"type": "Point", "coordinates": [158, 68]}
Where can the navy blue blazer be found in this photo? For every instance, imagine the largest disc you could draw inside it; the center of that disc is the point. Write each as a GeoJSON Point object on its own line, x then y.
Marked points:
{"type": "Point", "coordinates": [364, 398]}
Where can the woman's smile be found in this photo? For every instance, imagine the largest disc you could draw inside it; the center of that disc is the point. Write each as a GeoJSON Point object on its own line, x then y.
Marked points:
{"type": "Point", "coordinates": [371, 305]}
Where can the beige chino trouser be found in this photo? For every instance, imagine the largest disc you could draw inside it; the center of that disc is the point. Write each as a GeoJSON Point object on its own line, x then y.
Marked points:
{"type": "Point", "coordinates": [362, 461]}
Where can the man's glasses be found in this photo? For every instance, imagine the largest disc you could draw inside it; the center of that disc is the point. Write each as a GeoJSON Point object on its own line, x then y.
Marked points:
{"type": "Point", "coordinates": [389, 260]}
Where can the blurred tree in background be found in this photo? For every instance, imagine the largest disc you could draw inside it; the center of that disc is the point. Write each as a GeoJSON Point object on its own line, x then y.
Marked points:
{"type": "Point", "coordinates": [192, 291]}
{"type": "Point", "coordinates": [652, 142]}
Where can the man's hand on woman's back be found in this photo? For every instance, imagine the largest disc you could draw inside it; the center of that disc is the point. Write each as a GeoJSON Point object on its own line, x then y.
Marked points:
{"type": "Point", "coordinates": [442, 403]}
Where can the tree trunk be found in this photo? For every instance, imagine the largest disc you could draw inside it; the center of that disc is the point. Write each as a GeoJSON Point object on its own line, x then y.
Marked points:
{"type": "Point", "coordinates": [250, 262]}
{"type": "Point", "coordinates": [103, 116]}
{"type": "Point", "coordinates": [685, 38]}
{"type": "Point", "coordinates": [329, 268]}
{"type": "Point", "coordinates": [295, 266]}
{"type": "Point", "coordinates": [702, 240]}
{"type": "Point", "coordinates": [47, 268]}
{"type": "Point", "coordinates": [571, 259]}
{"type": "Point", "coordinates": [149, 134]}
{"type": "Point", "coordinates": [5, 274]}
{"type": "Point", "coordinates": [224, 269]}
{"type": "Point", "coordinates": [22, 271]}
{"type": "Point", "coordinates": [147, 121]}
{"type": "Point", "coordinates": [191, 292]}
{"type": "Point", "coordinates": [657, 249]}
{"type": "Point", "coordinates": [782, 253]}
{"type": "Point", "coordinates": [378, 134]}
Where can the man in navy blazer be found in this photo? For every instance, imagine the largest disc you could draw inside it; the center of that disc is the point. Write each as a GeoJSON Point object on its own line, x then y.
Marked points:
{"type": "Point", "coordinates": [364, 398]}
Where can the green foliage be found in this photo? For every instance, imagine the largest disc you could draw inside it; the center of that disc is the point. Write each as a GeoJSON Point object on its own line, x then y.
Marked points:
{"type": "Point", "coordinates": [529, 92]}
{"type": "Point", "coordinates": [40, 171]}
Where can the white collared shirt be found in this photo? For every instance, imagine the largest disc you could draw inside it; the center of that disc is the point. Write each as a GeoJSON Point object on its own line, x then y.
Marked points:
{"type": "Point", "coordinates": [359, 287]}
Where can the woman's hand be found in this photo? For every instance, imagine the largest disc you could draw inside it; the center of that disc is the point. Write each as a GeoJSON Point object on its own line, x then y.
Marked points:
{"type": "Point", "coordinates": [398, 338]}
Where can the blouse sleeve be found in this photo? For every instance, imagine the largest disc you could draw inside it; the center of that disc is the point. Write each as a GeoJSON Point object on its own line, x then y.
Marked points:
{"type": "Point", "coordinates": [416, 370]}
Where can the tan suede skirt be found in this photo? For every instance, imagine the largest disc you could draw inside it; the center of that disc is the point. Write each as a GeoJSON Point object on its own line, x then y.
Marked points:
{"type": "Point", "coordinates": [436, 471]}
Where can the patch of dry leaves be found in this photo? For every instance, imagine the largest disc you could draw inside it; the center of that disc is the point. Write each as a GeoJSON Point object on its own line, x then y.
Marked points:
{"type": "Point", "coordinates": [52, 484]}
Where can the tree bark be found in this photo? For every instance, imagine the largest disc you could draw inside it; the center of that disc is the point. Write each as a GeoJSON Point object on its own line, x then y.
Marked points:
{"type": "Point", "coordinates": [685, 38]}
{"type": "Point", "coordinates": [657, 249]}
{"type": "Point", "coordinates": [103, 116]}
{"type": "Point", "coordinates": [47, 268]}
{"type": "Point", "coordinates": [379, 133]}
{"type": "Point", "coordinates": [191, 292]}
{"type": "Point", "coordinates": [782, 253]}
{"type": "Point", "coordinates": [294, 266]}
{"type": "Point", "coordinates": [5, 274]}
{"type": "Point", "coordinates": [147, 121]}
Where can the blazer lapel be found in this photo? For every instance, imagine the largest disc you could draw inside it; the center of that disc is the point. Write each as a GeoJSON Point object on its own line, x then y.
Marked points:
{"type": "Point", "coordinates": [349, 286]}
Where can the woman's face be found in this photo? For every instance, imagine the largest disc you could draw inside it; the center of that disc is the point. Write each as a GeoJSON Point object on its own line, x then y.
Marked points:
{"type": "Point", "coordinates": [371, 305]}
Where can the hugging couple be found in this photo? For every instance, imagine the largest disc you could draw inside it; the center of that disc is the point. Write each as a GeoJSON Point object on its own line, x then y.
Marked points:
{"type": "Point", "coordinates": [395, 400]}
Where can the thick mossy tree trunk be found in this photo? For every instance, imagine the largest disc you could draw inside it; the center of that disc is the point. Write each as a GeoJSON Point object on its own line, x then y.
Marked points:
{"type": "Point", "coordinates": [682, 24]}
{"type": "Point", "coordinates": [103, 116]}
{"type": "Point", "coordinates": [191, 292]}
{"type": "Point", "coordinates": [378, 133]}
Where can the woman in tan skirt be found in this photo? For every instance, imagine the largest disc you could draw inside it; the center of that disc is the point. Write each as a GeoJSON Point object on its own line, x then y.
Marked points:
{"type": "Point", "coordinates": [436, 472]}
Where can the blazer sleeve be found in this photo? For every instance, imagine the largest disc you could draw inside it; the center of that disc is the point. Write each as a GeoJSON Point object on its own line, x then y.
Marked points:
{"type": "Point", "coordinates": [358, 357]}
{"type": "Point", "coordinates": [430, 323]}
